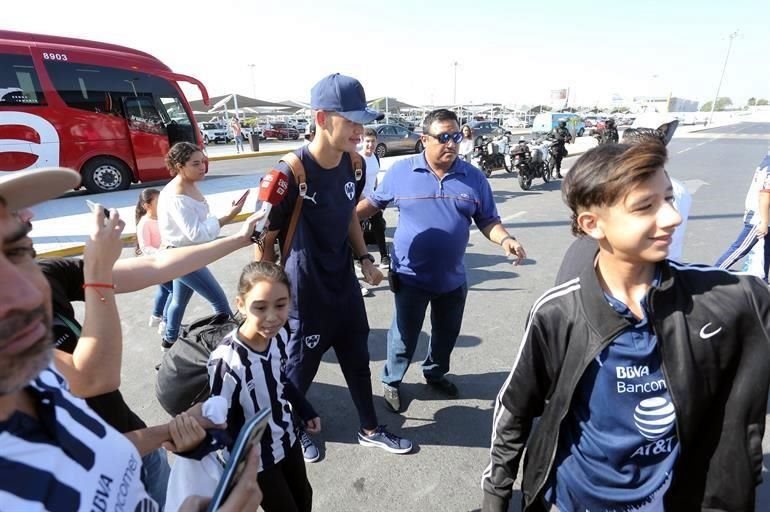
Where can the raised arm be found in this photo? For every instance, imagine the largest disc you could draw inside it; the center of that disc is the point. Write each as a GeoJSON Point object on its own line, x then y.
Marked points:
{"type": "Point", "coordinates": [94, 366]}
{"type": "Point", "coordinates": [133, 274]}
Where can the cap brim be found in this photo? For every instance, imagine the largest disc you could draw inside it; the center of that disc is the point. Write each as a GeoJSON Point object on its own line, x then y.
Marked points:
{"type": "Point", "coordinates": [24, 189]}
{"type": "Point", "coordinates": [365, 116]}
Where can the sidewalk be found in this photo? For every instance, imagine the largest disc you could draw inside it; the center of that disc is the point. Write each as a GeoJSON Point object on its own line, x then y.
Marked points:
{"type": "Point", "coordinates": [61, 226]}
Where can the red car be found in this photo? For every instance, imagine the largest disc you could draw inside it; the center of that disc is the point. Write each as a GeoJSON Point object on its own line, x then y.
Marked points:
{"type": "Point", "coordinates": [280, 131]}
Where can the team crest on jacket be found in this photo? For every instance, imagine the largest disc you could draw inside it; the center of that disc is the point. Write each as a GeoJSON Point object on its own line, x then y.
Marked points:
{"type": "Point", "coordinates": [312, 340]}
{"type": "Point", "coordinates": [350, 189]}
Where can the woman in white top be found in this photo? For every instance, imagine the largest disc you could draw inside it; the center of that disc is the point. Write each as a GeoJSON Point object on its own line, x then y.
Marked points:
{"type": "Point", "coordinates": [184, 219]}
{"type": "Point", "coordinates": [466, 146]}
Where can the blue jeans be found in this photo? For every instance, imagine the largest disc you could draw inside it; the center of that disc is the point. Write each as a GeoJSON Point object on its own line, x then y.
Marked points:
{"type": "Point", "coordinates": [446, 317]}
{"type": "Point", "coordinates": [162, 301]}
{"type": "Point", "coordinates": [155, 473]}
{"type": "Point", "coordinates": [201, 281]}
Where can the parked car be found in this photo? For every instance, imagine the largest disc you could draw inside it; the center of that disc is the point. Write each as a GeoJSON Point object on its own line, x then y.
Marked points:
{"type": "Point", "coordinates": [212, 132]}
{"type": "Point", "coordinates": [483, 129]}
{"type": "Point", "coordinates": [301, 125]}
{"type": "Point", "coordinates": [394, 138]}
{"type": "Point", "coordinates": [514, 122]}
{"type": "Point", "coordinates": [280, 131]}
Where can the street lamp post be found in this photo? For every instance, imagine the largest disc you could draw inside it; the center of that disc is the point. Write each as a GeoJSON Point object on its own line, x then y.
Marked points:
{"type": "Point", "coordinates": [724, 67]}
{"type": "Point", "coordinates": [253, 79]}
{"type": "Point", "coordinates": [454, 94]}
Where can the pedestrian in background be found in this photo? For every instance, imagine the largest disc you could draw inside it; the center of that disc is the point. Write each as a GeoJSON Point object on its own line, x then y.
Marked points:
{"type": "Point", "coordinates": [184, 219]}
{"type": "Point", "coordinates": [465, 150]}
{"type": "Point", "coordinates": [148, 242]}
{"type": "Point", "coordinates": [235, 125]}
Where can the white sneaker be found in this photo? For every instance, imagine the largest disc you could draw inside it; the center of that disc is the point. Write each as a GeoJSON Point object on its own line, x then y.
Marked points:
{"type": "Point", "coordinates": [365, 292]}
{"type": "Point", "coordinates": [154, 320]}
{"type": "Point", "coordinates": [162, 328]}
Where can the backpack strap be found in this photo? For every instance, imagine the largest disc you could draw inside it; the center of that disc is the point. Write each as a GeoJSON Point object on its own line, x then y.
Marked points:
{"type": "Point", "coordinates": [298, 170]}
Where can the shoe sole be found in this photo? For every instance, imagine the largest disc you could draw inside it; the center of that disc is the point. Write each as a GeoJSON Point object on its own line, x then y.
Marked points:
{"type": "Point", "coordinates": [310, 461]}
{"type": "Point", "coordinates": [371, 444]}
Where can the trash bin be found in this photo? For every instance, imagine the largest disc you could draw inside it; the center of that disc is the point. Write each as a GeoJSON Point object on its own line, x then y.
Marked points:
{"type": "Point", "coordinates": [254, 141]}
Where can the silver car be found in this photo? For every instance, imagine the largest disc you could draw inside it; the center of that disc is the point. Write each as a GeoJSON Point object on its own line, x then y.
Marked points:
{"type": "Point", "coordinates": [394, 138]}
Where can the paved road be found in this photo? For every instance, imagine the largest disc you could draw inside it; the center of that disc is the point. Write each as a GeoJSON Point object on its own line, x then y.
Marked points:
{"type": "Point", "coordinates": [452, 437]}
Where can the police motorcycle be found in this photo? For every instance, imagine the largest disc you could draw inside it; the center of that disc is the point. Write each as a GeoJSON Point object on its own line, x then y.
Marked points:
{"type": "Point", "coordinates": [530, 162]}
{"type": "Point", "coordinates": [490, 154]}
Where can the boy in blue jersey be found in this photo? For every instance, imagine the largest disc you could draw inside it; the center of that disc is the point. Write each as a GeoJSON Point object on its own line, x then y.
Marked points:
{"type": "Point", "coordinates": [650, 378]}
{"type": "Point", "coordinates": [327, 309]}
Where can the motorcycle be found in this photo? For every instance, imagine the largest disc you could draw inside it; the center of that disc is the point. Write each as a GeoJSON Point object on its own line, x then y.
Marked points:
{"type": "Point", "coordinates": [531, 164]}
{"type": "Point", "coordinates": [490, 155]}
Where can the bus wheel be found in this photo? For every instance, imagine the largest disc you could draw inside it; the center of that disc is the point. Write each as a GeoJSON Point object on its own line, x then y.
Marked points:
{"type": "Point", "coordinates": [105, 174]}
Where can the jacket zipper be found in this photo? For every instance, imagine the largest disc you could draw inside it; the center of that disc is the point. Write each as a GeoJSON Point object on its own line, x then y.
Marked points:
{"type": "Point", "coordinates": [598, 351]}
{"type": "Point", "coordinates": [665, 374]}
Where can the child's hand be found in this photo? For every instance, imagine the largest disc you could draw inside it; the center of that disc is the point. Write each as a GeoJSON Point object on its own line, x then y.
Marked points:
{"type": "Point", "coordinates": [313, 426]}
{"type": "Point", "coordinates": [186, 433]}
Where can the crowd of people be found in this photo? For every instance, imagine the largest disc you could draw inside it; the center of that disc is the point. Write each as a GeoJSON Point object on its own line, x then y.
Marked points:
{"type": "Point", "coordinates": [649, 377]}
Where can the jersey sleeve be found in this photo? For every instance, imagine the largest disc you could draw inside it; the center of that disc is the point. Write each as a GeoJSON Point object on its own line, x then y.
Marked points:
{"type": "Point", "coordinates": [225, 379]}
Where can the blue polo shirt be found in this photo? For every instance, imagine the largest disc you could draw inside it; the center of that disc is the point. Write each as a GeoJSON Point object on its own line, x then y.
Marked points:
{"type": "Point", "coordinates": [434, 219]}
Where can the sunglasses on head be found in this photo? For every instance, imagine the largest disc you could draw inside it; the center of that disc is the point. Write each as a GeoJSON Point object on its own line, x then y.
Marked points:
{"type": "Point", "coordinates": [443, 138]}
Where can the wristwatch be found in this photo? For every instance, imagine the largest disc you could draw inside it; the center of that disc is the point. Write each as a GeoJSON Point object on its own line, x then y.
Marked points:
{"type": "Point", "coordinates": [366, 256]}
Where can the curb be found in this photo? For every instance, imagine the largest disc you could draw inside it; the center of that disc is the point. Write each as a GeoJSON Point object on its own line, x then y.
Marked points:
{"type": "Point", "coordinates": [249, 155]}
{"type": "Point", "coordinates": [128, 240]}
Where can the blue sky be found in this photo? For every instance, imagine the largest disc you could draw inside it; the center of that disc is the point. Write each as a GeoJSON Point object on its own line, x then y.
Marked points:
{"type": "Point", "coordinates": [507, 51]}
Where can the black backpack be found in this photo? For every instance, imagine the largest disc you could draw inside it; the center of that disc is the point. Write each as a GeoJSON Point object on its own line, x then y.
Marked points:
{"type": "Point", "coordinates": [183, 377]}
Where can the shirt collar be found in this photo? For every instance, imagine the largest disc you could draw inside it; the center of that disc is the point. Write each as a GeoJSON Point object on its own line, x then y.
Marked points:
{"type": "Point", "coordinates": [458, 166]}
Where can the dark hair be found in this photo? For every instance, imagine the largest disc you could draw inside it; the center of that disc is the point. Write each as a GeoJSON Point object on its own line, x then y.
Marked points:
{"type": "Point", "coordinates": [440, 114]}
{"type": "Point", "coordinates": [257, 271]}
{"type": "Point", "coordinates": [462, 129]}
{"type": "Point", "coordinates": [605, 174]}
{"type": "Point", "coordinates": [370, 132]}
{"type": "Point", "coordinates": [145, 197]}
{"type": "Point", "coordinates": [179, 154]}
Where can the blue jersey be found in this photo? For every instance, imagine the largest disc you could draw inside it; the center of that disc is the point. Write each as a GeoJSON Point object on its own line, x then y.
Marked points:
{"type": "Point", "coordinates": [319, 263]}
{"type": "Point", "coordinates": [618, 444]}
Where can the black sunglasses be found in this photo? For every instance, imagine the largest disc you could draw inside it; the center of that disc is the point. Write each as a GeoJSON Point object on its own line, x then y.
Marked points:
{"type": "Point", "coordinates": [443, 138]}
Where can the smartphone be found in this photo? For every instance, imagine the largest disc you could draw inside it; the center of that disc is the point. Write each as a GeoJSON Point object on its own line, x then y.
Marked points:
{"type": "Point", "coordinates": [94, 206]}
{"type": "Point", "coordinates": [243, 197]}
{"type": "Point", "coordinates": [250, 435]}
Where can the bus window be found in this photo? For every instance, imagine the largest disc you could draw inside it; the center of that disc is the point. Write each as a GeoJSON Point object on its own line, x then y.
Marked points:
{"type": "Point", "coordinates": [143, 116]}
{"type": "Point", "coordinates": [104, 89]}
{"type": "Point", "coordinates": [19, 84]}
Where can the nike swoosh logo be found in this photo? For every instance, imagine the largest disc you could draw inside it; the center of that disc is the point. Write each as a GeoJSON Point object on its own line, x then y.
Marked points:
{"type": "Point", "coordinates": [706, 335]}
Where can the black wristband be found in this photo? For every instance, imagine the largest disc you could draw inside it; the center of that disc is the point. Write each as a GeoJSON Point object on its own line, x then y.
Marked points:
{"type": "Point", "coordinates": [366, 256]}
{"type": "Point", "coordinates": [507, 237]}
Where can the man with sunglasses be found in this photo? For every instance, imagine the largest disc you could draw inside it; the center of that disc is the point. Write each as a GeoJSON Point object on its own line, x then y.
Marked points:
{"type": "Point", "coordinates": [438, 195]}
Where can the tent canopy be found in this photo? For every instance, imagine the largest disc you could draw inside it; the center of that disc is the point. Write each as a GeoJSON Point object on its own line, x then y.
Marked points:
{"type": "Point", "coordinates": [228, 101]}
{"type": "Point", "coordinates": [393, 104]}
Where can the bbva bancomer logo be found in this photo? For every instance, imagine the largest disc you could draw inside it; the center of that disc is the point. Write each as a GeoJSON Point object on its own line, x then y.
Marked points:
{"type": "Point", "coordinates": [654, 417]}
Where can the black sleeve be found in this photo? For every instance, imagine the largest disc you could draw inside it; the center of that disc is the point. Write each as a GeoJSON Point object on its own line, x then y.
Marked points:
{"type": "Point", "coordinates": [521, 399]}
{"type": "Point", "coordinates": [65, 275]}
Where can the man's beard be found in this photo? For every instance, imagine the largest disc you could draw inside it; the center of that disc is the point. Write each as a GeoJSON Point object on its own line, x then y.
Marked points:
{"type": "Point", "coordinates": [17, 370]}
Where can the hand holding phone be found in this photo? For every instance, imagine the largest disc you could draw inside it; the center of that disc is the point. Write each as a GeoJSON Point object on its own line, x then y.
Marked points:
{"type": "Point", "coordinates": [249, 438]}
{"type": "Point", "coordinates": [242, 198]}
{"type": "Point", "coordinates": [95, 207]}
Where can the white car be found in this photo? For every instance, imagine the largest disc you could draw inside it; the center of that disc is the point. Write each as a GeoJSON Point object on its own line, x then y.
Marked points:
{"type": "Point", "coordinates": [212, 132]}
